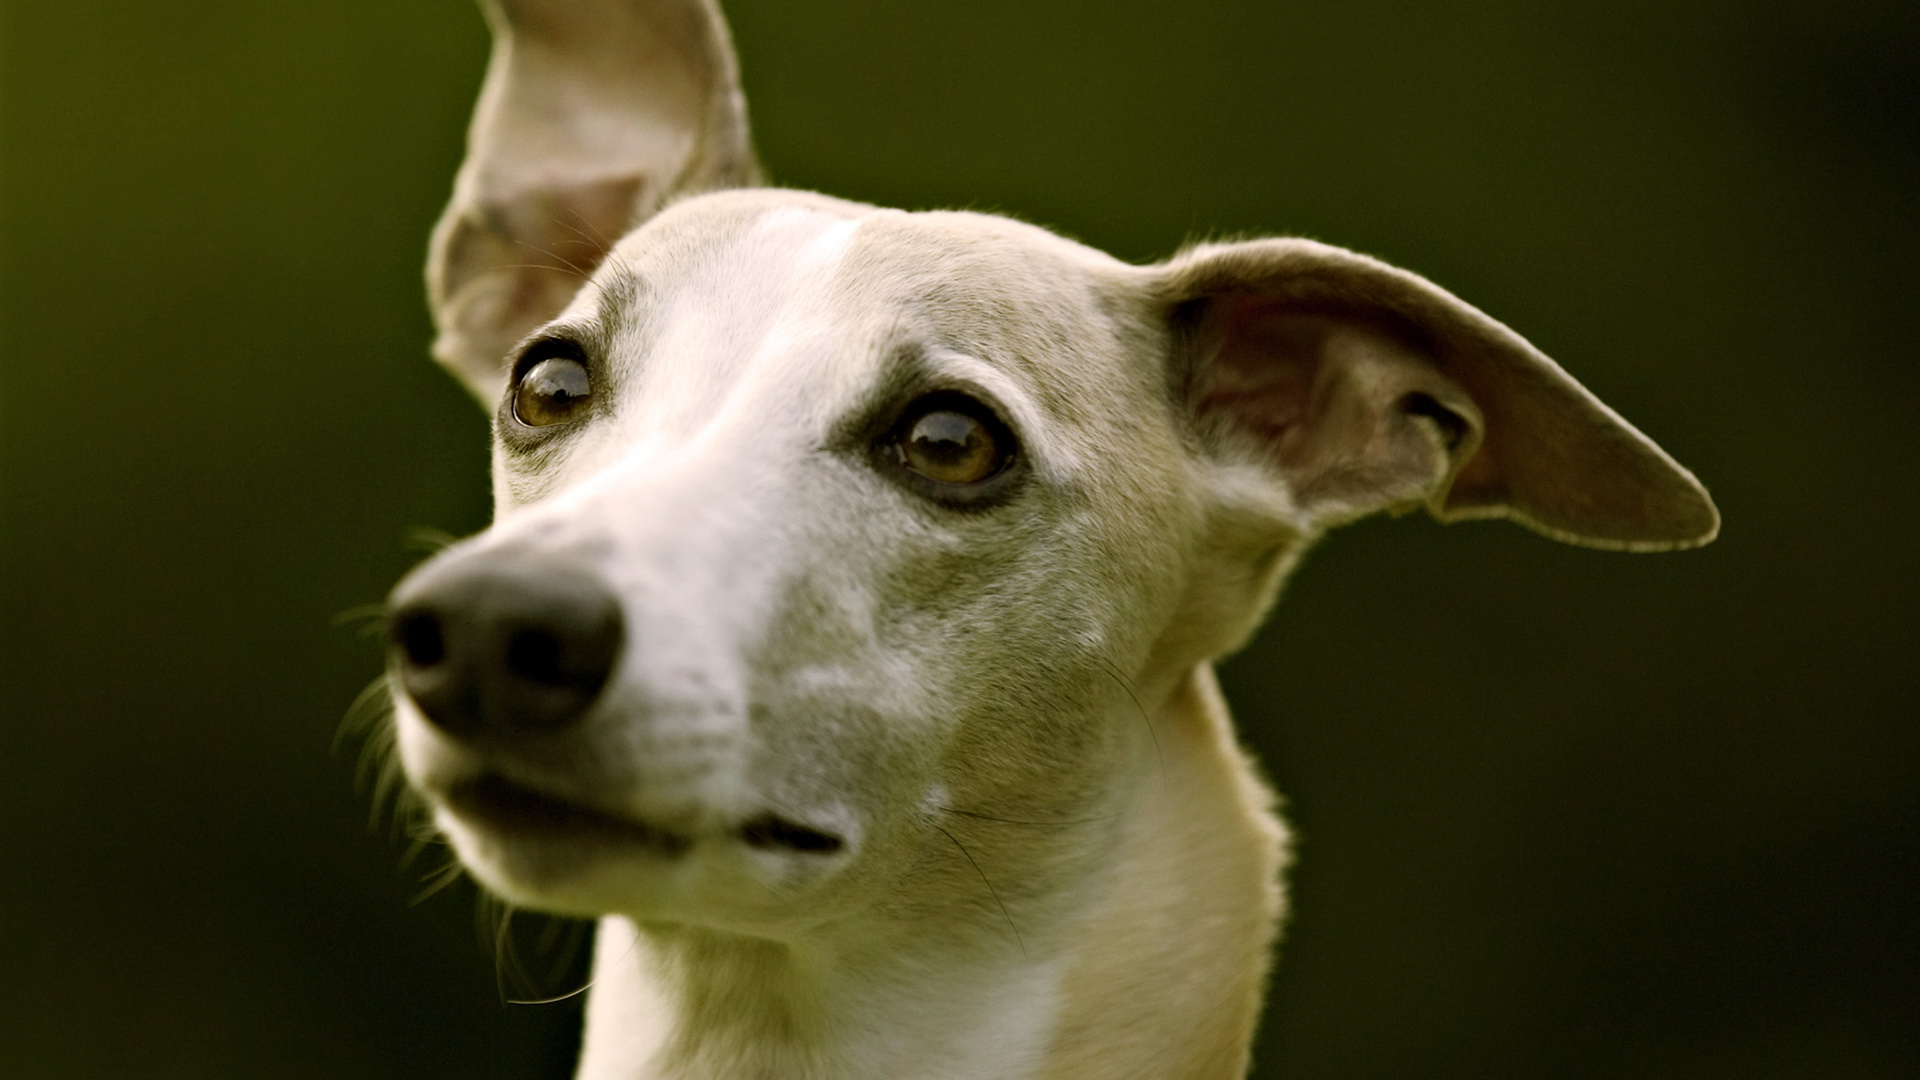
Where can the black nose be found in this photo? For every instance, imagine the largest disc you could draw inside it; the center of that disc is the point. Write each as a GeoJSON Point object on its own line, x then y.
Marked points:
{"type": "Point", "coordinates": [500, 643]}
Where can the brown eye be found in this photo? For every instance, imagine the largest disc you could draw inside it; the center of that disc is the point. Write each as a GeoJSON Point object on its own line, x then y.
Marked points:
{"type": "Point", "coordinates": [553, 390]}
{"type": "Point", "coordinates": [952, 448]}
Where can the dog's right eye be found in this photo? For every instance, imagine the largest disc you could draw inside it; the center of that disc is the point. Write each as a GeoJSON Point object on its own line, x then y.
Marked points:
{"type": "Point", "coordinates": [552, 392]}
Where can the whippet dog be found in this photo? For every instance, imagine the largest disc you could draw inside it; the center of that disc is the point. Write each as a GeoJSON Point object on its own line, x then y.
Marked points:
{"type": "Point", "coordinates": [844, 641]}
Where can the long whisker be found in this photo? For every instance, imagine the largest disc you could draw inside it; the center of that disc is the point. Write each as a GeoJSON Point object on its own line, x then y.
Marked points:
{"type": "Point", "coordinates": [565, 263]}
{"type": "Point", "coordinates": [1016, 821]}
{"type": "Point", "coordinates": [583, 988]}
{"type": "Point", "coordinates": [546, 941]}
{"type": "Point", "coordinates": [430, 540]}
{"type": "Point", "coordinates": [368, 619]}
{"type": "Point", "coordinates": [504, 956]}
{"type": "Point", "coordinates": [590, 234]}
{"type": "Point", "coordinates": [437, 881]}
{"type": "Point", "coordinates": [1132, 695]}
{"type": "Point", "coordinates": [369, 721]}
{"type": "Point", "coordinates": [991, 891]}
{"type": "Point", "coordinates": [368, 712]}
{"type": "Point", "coordinates": [575, 271]}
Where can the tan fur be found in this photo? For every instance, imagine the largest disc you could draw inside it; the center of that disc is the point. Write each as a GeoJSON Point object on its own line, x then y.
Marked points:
{"type": "Point", "coordinates": [1172, 959]}
{"type": "Point", "coordinates": [1057, 861]}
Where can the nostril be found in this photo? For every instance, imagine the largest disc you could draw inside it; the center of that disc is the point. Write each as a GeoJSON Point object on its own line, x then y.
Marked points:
{"type": "Point", "coordinates": [418, 635]}
{"type": "Point", "coordinates": [535, 655]}
{"type": "Point", "coordinates": [499, 644]}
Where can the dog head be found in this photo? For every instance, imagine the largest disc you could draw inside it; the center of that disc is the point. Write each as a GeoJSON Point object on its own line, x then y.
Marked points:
{"type": "Point", "coordinates": [816, 521]}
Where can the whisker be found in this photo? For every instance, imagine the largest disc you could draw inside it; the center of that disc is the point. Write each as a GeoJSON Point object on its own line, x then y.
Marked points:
{"type": "Point", "coordinates": [565, 263]}
{"type": "Point", "coordinates": [539, 266]}
{"type": "Point", "coordinates": [991, 891]}
{"type": "Point", "coordinates": [562, 940]}
{"type": "Point", "coordinates": [506, 961]}
{"type": "Point", "coordinates": [574, 931]}
{"type": "Point", "coordinates": [597, 238]}
{"type": "Point", "coordinates": [583, 988]}
{"type": "Point", "coordinates": [369, 710]}
{"type": "Point", "coordinates": [1016, 821]}
{"type": "Point", "coordinates": [362, 616]}
{"type": "Point", "coordinates": [632, 944]}
{"type": "Point", "coordinates": [421, 832]}
{"type": "Point", "coordinates": [437, 881]}
{"type": "Point", "coordinates": [430, 540]}
{"type": "Point", "coordinates": [369, 722]}
{"type": "Point", "coordinates": [509, 969]}
{"type": "Point", "coordinates": [1127, 685]}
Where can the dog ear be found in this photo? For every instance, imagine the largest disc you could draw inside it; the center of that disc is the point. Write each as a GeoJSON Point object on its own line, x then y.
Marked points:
{"type": "Point", "coordinates": [594, 113]}
{"type": "Point", "coordinates": [1370, 388]}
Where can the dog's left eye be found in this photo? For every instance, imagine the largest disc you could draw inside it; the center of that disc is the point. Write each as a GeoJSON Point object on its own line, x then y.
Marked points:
{"type": "Point", "coordinates": [954, 441]}
{"type": "Point", "coordinates": [552, 391]}
{"type": "Point", "coordinates": [950, 447]}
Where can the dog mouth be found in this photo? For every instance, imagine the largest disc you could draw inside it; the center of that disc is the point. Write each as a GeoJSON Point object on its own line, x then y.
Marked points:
{"type": "Point", "coordinates": [770, 832]}
{"type": "Point", "coordinates": [500, 804]}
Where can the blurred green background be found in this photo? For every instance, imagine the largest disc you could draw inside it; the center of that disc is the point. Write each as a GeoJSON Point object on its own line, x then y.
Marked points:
{"type": "Point", "coordinates": [1563, 814]}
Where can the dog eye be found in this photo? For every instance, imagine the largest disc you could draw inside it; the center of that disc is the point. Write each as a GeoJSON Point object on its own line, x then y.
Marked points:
{"type": "Point", "coordinates": [952, 443]}
{"type": "Point", "coordinates": [553, 390]}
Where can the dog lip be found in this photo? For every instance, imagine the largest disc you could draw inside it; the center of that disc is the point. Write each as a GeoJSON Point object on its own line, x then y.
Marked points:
{"type": "Point", "coordinates": [773, 832]}
{"type": "Point", "coordinates": [501, 804]}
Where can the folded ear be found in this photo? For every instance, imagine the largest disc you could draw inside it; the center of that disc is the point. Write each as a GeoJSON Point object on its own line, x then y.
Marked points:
{"type": "Point", "coordinates": [593, 114]}
{"type": "Point", "coordinates": [1365, 387]}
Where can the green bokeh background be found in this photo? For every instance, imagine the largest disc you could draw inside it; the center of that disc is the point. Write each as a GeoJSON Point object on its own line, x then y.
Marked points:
{"type": "Point", "coordinates": [1564, 814]}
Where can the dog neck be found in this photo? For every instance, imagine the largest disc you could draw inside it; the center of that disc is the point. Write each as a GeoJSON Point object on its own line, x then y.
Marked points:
{"type": "Point", "coordinates": [1150, 963]}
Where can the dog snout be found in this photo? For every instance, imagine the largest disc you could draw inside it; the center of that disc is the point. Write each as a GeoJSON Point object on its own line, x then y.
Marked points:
{"type": "Point", "coordinates": [500, 644]}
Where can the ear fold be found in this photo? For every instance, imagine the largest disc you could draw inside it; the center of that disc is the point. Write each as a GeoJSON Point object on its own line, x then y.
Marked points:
{"type": "Point", "coordinates": [594, 113]}
{"type": "Point", "coordinates": [1366, 387]}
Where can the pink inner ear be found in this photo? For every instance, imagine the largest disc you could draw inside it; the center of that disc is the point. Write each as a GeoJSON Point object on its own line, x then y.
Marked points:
{"type": "Point", "coordinates": [1331, 365]}
{"type": "Point", "coordinates": [1344, 407]}
{"type": "Point", "coordinates": [1262, 377]}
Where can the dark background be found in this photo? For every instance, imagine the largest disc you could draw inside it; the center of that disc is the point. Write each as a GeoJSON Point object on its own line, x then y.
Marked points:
{"type": "Point", "coordinates": [1564, 814]}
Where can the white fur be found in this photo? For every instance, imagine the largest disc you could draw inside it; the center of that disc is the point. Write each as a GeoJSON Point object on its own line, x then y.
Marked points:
{"type": "Point", "coordinates": [1057, 861]}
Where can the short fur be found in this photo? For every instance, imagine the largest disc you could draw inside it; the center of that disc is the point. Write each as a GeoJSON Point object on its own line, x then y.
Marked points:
{"type": "Point", "coordinates": [1058, 862]}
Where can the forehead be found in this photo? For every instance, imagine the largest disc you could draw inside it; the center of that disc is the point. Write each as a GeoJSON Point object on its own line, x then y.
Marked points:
{"type": "Point", "coordinates": [936, 256]}
{"type": "Point", "coordinates": [716, 289]}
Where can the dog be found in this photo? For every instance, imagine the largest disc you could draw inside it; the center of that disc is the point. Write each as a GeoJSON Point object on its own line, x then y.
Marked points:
{"type": "Point", "coordinates": [844, 638]}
